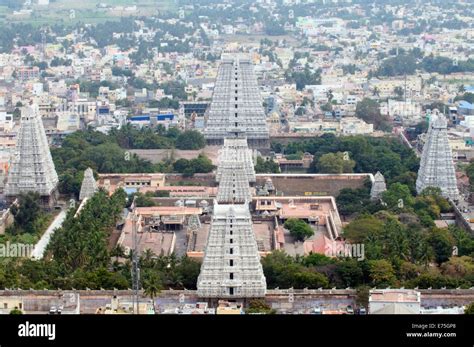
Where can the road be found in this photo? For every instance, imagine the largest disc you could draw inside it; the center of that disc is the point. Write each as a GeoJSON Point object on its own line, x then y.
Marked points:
{"type": "Point", "coordinates": [39, 248]}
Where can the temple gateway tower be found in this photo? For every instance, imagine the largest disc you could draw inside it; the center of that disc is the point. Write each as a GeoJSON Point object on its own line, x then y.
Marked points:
{"type": "Point", "coordinates": [236, 110]}
{"type": "Point", "coordinates": [89, 185]}
{"type": "Point", "coordinates": [437, 166]}
{"type": "Point", "coordinates": [32, 168]}
{"type": "Point", "coordinates": [378, 187]}
{"type": "Point", "coordinates": [231, 267]}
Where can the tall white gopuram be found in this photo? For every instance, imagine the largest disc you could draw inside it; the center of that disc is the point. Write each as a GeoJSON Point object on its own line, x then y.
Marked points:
{"type": "Point", "coordinates": [32, 168]}
{"type": "Point", "coordinates": [236, 151]}
{"type": "Point", "coordinates": [437, 166]}
{"type": "Point", "coordinates": [89, 185]}
{"type": "Point", "coordinates": [236, 110]}
{"type": "Point", "coordinates": [378, 187]}
{"type": "Point", "coordinates": [234, 185]}
{"type": "Point", "coordinates": [231, 267]}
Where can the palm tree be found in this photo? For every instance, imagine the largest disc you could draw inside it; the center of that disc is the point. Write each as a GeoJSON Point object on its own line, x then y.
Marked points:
{"type": "Point", "coordinates": [152, 287]}
{"type": "Point", "coordinates": [147, 259]}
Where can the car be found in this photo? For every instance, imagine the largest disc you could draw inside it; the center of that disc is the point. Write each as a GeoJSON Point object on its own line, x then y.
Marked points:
{"type": "Point", "coordinates": [362, 310]}
{"type": "Point", "coordinates": [316, 310]}
{"type": "Point", "coordinates": [53, 310]}
{"type": "Point", "coordinates": [349, 309]}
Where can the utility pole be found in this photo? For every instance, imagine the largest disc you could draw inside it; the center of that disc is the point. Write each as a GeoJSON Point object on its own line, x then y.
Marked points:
{"type": "Point", "coordinates": [135, 259]}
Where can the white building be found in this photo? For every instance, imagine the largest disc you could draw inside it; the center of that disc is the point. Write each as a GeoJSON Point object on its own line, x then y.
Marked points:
{"type": "Point", "coordinates": [355, 126]}
{"type": "Point", "coordinates": [394, 301]}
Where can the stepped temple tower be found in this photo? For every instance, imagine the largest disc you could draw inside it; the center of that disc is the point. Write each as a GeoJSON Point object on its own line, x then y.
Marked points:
{"type": "Point", "coordinates": [89, 185]}
{"type": "Point", "coordinates": [231, 267]}
{"type": "Point", "coordinates": [32, 168]}
{"type": "Point", "coordinates": [437, 166]}
{"type": "Point", "coordinates": [378, 187]}
{"type": "Point", "coordinates": [236, 151]}
{"type": "Point", "coordinates": [234, 185]}
{"type": "Point", "coordinates": [236, 110]}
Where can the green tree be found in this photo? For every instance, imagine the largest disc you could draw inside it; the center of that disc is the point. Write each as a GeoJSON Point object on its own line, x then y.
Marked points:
{"type": "Point", "coordinates": [398, 197]}
{"type": "Point", "coordinates": [266, 166]}
{"type": "Point", "coordinates": [432, 279]}
{"type": "Point", "coordinates": [16, 311]}
{"type": "Point", "coordinates": [369, 110]}
{"type": "Point", "coordinates": [458, 267]}
{"type": "Point", "coordinates": [281, 270]}
{"type": "Point", "coordinates": [152, 287]}
{"type": "Point", "coordinates": [362, 228]}
{"type": "Point", "coordinates": [442, 242]}
{"type": "Point", "coordinates": [350, 201]}
{"type": "Point", "coordinates": [350, 272]}
{"type": "Point", "coordinates": [188, 270]}
{"type": "Point", "coordinates": [399, 65]}
{"type": "Point", "coordinates": [190, 139]}
{"type": "Point", "coordinates": [335, 163]}
{"type": "Point", "coordinates": [381, 273]}
{"type": "Point", "coordinates": [298, 228]}
{"type": "Point", "coordinates": [26, 213]}
{"type": "Point", "coordinates": [317, 259]}
{"type": "Point", "coordinates": [144, 200]}
{"type": "Point", "coordinates": [259, 306]}
{"type": "Point", "coordinates": [201, 164]}
{"type": "Point", "coordinates": [81, 242]}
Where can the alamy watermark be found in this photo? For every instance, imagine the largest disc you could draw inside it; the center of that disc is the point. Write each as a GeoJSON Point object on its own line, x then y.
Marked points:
{"type": "Point", "coordinates": [16, 250]}
{"type": "Point", "coordinates": [345, 250]}
{"type": "Point", "coordinates": [28, 329]}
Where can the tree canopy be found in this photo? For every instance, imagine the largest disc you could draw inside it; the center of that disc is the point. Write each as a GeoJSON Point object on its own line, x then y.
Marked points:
{"type": "Point", "coordinates": [335, 163]}
{"type": "Point", "coordinates": [369, 110]}
{"type": "Point", "coordinates": [298, 228]}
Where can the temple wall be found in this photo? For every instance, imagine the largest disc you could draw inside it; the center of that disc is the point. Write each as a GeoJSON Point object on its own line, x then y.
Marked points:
{"type": "Point", "coordinates": [198, 179]}
{"type": "Point", "coordinates": [314, 184]}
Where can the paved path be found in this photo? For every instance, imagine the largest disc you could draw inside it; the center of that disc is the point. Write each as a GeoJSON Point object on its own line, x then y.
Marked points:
{"type": "Point", "coordinates": [38, 251]}
{"type": "Point", "coordinates": [180, 247]}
